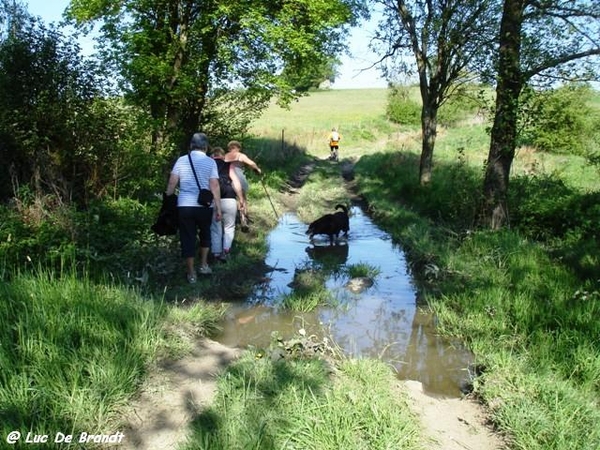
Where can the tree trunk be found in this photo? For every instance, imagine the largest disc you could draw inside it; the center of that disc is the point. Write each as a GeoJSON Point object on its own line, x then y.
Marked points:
{"type": "Point", "coordinates": [504, 129]}
{"type": "Point", "coordinates": [429, 130]}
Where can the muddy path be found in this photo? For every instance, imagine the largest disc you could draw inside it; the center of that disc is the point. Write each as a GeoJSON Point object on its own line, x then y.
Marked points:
{"type": "Point", "coordinates": [178, 390]}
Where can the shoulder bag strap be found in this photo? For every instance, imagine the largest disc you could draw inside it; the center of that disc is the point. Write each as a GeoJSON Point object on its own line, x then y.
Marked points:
{"type": "Point", "coordinates": [194, 170]}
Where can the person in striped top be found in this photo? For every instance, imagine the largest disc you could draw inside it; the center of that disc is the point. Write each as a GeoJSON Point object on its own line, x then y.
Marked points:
{"type": "Point", "coordinates": [195, 219]}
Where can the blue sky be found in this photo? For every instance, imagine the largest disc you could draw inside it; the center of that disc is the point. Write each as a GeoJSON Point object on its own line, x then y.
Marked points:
{"type": "Point", "coordinates": [351, 72]}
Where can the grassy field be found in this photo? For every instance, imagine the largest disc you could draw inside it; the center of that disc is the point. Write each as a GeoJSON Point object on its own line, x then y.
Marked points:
{"type": "Point", "coordinates": [357, 114]}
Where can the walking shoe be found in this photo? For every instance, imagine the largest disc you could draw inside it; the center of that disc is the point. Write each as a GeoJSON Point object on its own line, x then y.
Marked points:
{"type": "Point", "coordinates": [223, 257]}
{"type": "Point", "coordinates": [205, 270]}
{"type": "Point", "coordinates": [191, 278]}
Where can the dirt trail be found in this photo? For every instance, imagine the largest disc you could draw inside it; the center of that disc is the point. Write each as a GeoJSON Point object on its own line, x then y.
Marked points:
{"type": "Point", "coordinates": [174, 395]}
{"type": "Point", "coordinates": [180, 390]}
{"type": "Point", "coordinates": [451, 423]}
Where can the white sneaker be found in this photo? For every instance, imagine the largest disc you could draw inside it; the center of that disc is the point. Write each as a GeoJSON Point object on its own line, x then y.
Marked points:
{"type": "Point", "coordinates": [205, 270]}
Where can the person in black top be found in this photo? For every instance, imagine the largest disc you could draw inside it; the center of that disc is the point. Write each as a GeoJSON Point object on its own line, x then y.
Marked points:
{"type": "Point", "coordinates": [223, 231]}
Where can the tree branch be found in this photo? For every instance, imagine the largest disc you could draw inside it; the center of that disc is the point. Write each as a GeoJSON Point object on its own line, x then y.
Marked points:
{"type": "Point", "coordinates": [554, 62]}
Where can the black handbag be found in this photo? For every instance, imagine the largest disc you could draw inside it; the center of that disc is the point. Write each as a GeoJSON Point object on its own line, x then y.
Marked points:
{"type": "Point", "coordinates": [205, 197]}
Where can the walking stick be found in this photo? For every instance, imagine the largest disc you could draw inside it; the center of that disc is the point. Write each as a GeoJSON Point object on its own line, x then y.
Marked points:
{"type": "Point", "coordinates": [262, 181]}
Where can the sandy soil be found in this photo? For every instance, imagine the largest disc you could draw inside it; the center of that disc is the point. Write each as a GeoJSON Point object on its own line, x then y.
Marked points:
{"type": "Point", "coordinates": [451, 423]}
{"type": "Point", "coordinates": [180, 390]}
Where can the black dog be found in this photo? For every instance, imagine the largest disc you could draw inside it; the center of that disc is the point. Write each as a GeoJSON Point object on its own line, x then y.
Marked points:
{"type": "Point", "coordinates": [331, 224]}
{"type": "Point", "coordinates": [342, 219]}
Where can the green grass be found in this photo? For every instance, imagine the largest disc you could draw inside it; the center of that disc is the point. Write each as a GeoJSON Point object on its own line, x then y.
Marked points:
{"type": "Point", "coordinates": [358, 115]}
{"type": "Point", "coordinates": [307, 300]}
{"type": "Point", "coordinates": [74, 351]}
{"type": "Point", "coordinates": [298, 404]}
{"type": "Point", "coordinates": [362, 269]}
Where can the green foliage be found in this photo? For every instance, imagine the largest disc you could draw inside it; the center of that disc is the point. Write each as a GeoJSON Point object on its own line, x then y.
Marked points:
{"type": "Point", "coordinates": [59, 133]}
{"type": "Point", "coordinates": [218, 60]}
{"type": "Point", "coordinates": [561, 120]}
{"type": "Point", "coordinates": [528, 314]}
{"type": "Point", "coordinates": [41, 233]}
{"type": "Point", "coordinates": [545, 208]}
{"type": "Point", "coordinates": [451, 198]}
{"type": "Point", "coordinates": [44, 86]}
{"type": "Point", "coordinates": [362, 269]}
{"type": "Point", "coordinates": [311, 76]}
{"type": "Point", "coordinates": [401, 108]}
{"type": "Point", "coordinates": [465, 103]}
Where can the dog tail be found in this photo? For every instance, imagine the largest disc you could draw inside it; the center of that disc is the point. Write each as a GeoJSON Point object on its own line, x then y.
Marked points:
{"type": "Point", "coordinates": [342, 207]}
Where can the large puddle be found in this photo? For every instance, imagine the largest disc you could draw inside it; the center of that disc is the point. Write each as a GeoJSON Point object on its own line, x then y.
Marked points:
{"type": "Point", "coordinates": [383, 321]}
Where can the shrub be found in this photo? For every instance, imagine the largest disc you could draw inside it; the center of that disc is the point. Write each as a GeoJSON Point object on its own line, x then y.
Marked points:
{"type": "Point", "coordinates": [560, 120]}
{"type": "Point", "coordinates": [544, 208]}
{"type": "Point", "coordinates": [401, 108]}
{"type": "Point", "coordinates": [44, 233]}
{"type": "Point", "coordinates": [462, 105]}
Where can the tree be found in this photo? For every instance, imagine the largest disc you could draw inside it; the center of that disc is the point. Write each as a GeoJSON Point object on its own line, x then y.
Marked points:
{"type": "Point", "coordinates": [311, 76]}
{"type": "Point", "coordinates": [195, 63]}
{"type": "Point", "coordinates": [45, 87]}
{"type": "Point", "coordinates": [60, 134]}
{"type": "Point", "coordinates": [446, 39]}
{"type": "Point", "coordinates": [549, 40]}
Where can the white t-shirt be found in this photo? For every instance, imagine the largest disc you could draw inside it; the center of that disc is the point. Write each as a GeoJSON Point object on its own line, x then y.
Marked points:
{"type": "Point", "coordinates": [206, 168]}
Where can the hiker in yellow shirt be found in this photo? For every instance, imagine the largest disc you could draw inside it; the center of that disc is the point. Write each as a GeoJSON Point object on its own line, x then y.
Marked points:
{"type": "Point", "coordinates": [334, 144]}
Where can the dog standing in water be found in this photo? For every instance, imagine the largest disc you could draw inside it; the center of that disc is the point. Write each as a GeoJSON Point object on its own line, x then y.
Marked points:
{"type": "Point", "coordinates": [331, 224]}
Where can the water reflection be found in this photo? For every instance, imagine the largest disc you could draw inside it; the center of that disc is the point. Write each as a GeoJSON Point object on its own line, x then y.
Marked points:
{"type": "Point", "coordinates": [383, 321]}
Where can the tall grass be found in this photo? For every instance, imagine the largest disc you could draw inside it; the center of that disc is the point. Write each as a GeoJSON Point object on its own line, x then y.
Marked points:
{"type": "Point", "coordinates": [73, 351]}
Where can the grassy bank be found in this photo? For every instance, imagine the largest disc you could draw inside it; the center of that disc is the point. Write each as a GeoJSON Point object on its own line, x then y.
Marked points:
{"type": "Point", "coordinates": [74, 351]}
{"type": "Point", "coordinates": [530, 320]}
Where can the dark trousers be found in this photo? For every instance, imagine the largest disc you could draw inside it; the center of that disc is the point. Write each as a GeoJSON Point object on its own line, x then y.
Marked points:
{"type": "Point", "coordinates": [194, 221]}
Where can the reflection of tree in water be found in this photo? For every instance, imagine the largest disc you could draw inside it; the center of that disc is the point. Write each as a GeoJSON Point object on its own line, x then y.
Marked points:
{"type": "Point", "coordinates": [432, 360]}
{"type": "Point", "coordinates": [379, 332]}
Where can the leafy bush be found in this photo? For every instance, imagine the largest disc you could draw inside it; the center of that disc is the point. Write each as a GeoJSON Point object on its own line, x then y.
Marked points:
{"type": "Point", "coordinates": [560, 120]}
{"type": "Point", "coordinates": [464, 104]}
{"type": "Point", "coordinates": [401, 108]}
{"type": "Point", "coordinates": [46, 234]}
{"type": "Point", "coordinates": [59, 132]}
{"type": "Point", "coordinates": [452, 197]}
{"type": "Point", "coordinates": [544, 207]}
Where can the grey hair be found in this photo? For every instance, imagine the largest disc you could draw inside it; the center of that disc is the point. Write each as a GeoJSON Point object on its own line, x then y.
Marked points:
{"type": "Point", "coordinates": [199, 142]}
